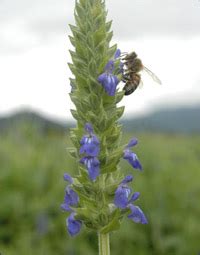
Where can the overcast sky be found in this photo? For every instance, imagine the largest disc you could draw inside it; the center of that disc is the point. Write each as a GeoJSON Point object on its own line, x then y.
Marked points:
{"type": "Point", "coordinates": [34, 52]}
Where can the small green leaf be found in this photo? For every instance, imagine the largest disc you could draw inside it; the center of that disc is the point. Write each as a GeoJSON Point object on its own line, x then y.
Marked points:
{"type": "Point", "coordinates": [120, 111]}
{"type": "Point", "coordinates": [74, 114]}
{"type": "Point", "coordinates": [92, 67]}
{"type": "Point", "coordinates": [112, 50]}
{"type": "Point", "coordinates": [80, 11]}
{"type": "Point", "coordinates": [109, 36]}
{"type": "Point", "coordinates": [119, 96]}
{"type": "Point", "coordinates": [77, 34]}
{"type": "Point", "coordinates": [84, 214]}
{"type": "Point", "coordinates": [72, 40]}
{"type": "Point", "coordinates": [108, 25]}
{"type": "Point", "coordinates": [99, 36]}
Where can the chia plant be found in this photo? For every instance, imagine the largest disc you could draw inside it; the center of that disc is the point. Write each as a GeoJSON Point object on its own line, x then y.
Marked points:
{"type": "Point", "coordinates": [98, 196]}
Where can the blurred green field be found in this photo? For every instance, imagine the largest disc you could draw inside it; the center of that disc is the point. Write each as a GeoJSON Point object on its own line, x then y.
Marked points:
{"type": "Point", "coordinates": [32, 188]}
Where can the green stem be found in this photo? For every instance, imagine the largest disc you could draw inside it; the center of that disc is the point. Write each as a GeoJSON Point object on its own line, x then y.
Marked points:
{"type": "Point", "coordinates": [104, 244]}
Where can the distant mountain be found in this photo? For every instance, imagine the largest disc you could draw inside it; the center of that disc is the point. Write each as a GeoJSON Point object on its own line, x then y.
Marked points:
{"type": "Point", "coordinates": [182, 120]}
{"type": "Point", "coordinates": [33, 120]}
{"type": "Point", "coordinates": [179, 120]}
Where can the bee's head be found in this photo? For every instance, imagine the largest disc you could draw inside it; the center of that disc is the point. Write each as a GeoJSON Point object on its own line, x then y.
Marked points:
{"type": "Point", "coordinates": [130, 56]}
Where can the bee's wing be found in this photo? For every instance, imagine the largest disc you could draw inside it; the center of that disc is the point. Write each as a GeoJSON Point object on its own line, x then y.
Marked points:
{"type": "Point", "coordinates": [154, 77]}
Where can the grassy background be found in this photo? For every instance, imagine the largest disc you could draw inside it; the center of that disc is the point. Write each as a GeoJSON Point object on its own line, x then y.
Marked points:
{"type": "Point", "coordinates": [32, 188]}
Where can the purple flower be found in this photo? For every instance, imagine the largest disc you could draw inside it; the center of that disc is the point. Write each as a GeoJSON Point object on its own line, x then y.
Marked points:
{"type": "Point", "coordinates": [117, 53]}
{"type": "Point", "coordinates": [122, 193]}
{"type": "Point", "coordinates": [121, 64]}
{"type": "Point", "coordinates": [137, 214]}
{"type": "Point", "coordinates": [132, 142]}
{"type": "Point", "coordinates": [108, 80]}
{"type": "Point", "coordinates": [73, 225]}
{"type": "Point", "coordinates": [121, 196]}
{"type": "Point", "coordinates": [134, 197]}
{"type": "Point", "coordinates": [90, 145]}
{"type": "Point", "coordinates": [71, 199]}
{"type": "Point", "coordinates": [68, 178]}
{"type": "Point", "coordinates": [92, 165]}
{"type": "Point", "coordinates": [122, 201]}
{"type": "Point", "coordinates": [130, 156]}
{"type": "Point", "coordinates": [88, 128]}
{"type": "Point", "coordinates": [127, 179]}
{"type": "Point", "coordinates": [109, 66]}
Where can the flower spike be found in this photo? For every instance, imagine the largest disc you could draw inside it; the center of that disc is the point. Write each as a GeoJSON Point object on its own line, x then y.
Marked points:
{"type": "Point", "coordinates": [99, 194]}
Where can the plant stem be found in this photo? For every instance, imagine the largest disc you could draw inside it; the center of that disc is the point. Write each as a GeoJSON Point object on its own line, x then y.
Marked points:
{"type": "Point", "coordinates": [104, 244]}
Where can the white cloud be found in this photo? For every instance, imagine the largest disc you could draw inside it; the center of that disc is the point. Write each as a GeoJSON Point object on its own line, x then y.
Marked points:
{"type": "Point", "coordinates": [32, 23]}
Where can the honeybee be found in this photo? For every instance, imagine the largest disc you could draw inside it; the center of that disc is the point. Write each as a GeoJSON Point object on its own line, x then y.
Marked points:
{"type": "Point", "coordinates": [131, 77]}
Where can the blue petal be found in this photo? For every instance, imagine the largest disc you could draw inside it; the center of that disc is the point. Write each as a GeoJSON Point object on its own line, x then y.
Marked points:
{"type": "Point", "coordinates": [102, 78]}
{"type": "Point", "coordinates": [117, 53]}
{"type": "Point", "coordinates": [84, 139]}
{"type": "Point", "coordinates": [73, 225]}
{"type": "Point", "coordinates": [88, 128]}
{"type": "Point", "coordinates": [68, 178]}
{"type": "Point", "coordinates": [121, 196]}
{"type": "Point", "coordinates": [92, 165]}
{"type": "Point", "coordinates": [132, 158]}
{"type": "Point", "coordinates": [90, 146]}
{"type": "Point", "coordinates": [65, 207]}
{"type": "Point", "coordinates": [132, 142]}
{"type": "Point", "coordinates": [71, 197]}
{"type": "Point", "coordinates": [127, 179]}
{"type": "Point", "coordinates": [134, 197]}
{"type": "Point", "coordinates": [110, 84]}
{"type": "Point", "coordinates": [94, 170]}
{"type": "Point", "coordinates": [109, 66]}
{"type": "Point", "coordinates": [137, 215]}
{"type": "Point", "coordinates": [90, 149]}
{"type": "Point", "coordinates": [136, 163]}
